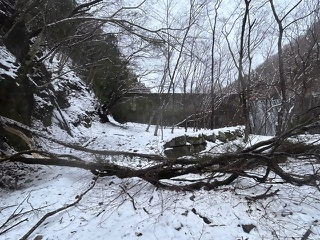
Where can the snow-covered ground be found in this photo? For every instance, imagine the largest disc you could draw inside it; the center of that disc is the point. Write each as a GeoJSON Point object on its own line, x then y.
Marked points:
{"type": "Point", "coordinates": [133, 209]}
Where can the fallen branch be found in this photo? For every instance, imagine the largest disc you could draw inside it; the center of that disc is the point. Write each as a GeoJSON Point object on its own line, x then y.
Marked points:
{"type": "Point", "coordinates": [14, 225]}
{"type": "Point", "coordinates": [263, 195]}
{"type": "Point", "coordinates": [218, 169]}
{"type": "Point", "coordinates": [14, 124]}
{"type": "Point", "coordinates": [14, 214]}
{"type": "Point", "coordinates": [306, 234]}
{"type": "Point", "coordinates": [131, 198]}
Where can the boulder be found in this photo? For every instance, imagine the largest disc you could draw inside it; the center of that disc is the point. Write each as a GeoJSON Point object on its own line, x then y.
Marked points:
{"type": "Point", "coordinates": [196, 140]}
{"type": "Point", "coordinates": [248, 227]}
{"type": "Point", "coordinates": [176, 142]}
{"type": "Point", "coordinates": [199, 148]}
{"type": "Point", "coordinates": [222, 137]}
{"type": "Point", "coordinates": [180, 151]}
{"type": "Point", "coordinates": [211, 138]}
{"type": "Point", "coordinates": [184, 146]}
{"type": "Point", "coordinates": [239, 132]}
{"type": "Point", "coordinates": [231, 136]}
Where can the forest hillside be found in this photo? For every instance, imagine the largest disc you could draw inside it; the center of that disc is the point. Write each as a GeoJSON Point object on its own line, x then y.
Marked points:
{"type": "Point", "coordinates": [70, 170]}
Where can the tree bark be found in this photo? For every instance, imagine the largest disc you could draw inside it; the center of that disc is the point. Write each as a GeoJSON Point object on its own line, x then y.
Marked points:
{"type": "Point", "coordinates": [217, 169]}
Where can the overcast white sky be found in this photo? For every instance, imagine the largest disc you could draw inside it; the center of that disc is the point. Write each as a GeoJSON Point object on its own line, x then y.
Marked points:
{"type": "Point", "coordinates": [153, 14]}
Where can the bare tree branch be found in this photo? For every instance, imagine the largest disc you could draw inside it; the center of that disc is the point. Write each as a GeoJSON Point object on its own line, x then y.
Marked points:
{"type": "Point", "coordinates": [49, 214]}
{"type": "Point", "coordinates": [85, 6]}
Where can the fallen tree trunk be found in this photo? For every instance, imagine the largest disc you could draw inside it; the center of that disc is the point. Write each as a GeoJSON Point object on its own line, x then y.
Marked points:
{"type": "Point", "coordinates": [6, 122]}
{"type": "Point", "coordinates": [217, 171]}
{"type": "Point", "coordinates": [212, 170]}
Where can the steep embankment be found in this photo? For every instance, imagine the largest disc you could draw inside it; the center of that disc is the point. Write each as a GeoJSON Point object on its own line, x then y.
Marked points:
{"type": "Point", "coordinates": [61, 101]}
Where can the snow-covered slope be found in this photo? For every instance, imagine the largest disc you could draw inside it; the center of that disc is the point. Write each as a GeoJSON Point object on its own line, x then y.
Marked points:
{"type": "Point", "coordinates": [7, 63]}
{"type": "Point", "coordinates": [70, 100]}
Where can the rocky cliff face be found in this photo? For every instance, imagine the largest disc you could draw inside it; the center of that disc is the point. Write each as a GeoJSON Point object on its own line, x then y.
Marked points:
{"type": "Point", "coordinates": [47, 95]}
{"type": "Point", "coordinates": [40, 69]}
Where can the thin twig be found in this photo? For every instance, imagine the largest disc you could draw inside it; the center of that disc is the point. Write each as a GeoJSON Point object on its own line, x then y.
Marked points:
{"type": "Point", "coordinates": [14, 212]}
{"type": "Point", "coordinates": [132, 200]}
{"type": "Point", "coordinates": [49, 214]}
{"type": "Point", "coordinates": [264, 195]}
{"type": "Point", "coordinates": [14, 225]}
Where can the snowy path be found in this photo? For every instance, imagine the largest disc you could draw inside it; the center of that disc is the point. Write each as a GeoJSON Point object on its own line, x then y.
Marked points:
{"type": "Point", "coordinates": [133, 209]}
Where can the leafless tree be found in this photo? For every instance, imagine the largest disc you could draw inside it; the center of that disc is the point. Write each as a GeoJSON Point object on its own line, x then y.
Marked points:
{"type": "Point", "coordinates": [282, 77]}
{"type": "Point", "coordinates": [214, 81]}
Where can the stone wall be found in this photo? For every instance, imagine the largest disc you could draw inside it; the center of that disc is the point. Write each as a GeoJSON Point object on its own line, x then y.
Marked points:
{"type": "Point", "coordinates": [263, 113]}
{"type": "Point", "coordinates": [140, 107]}
{"type": "Point", "coordinates": [188, 145]}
